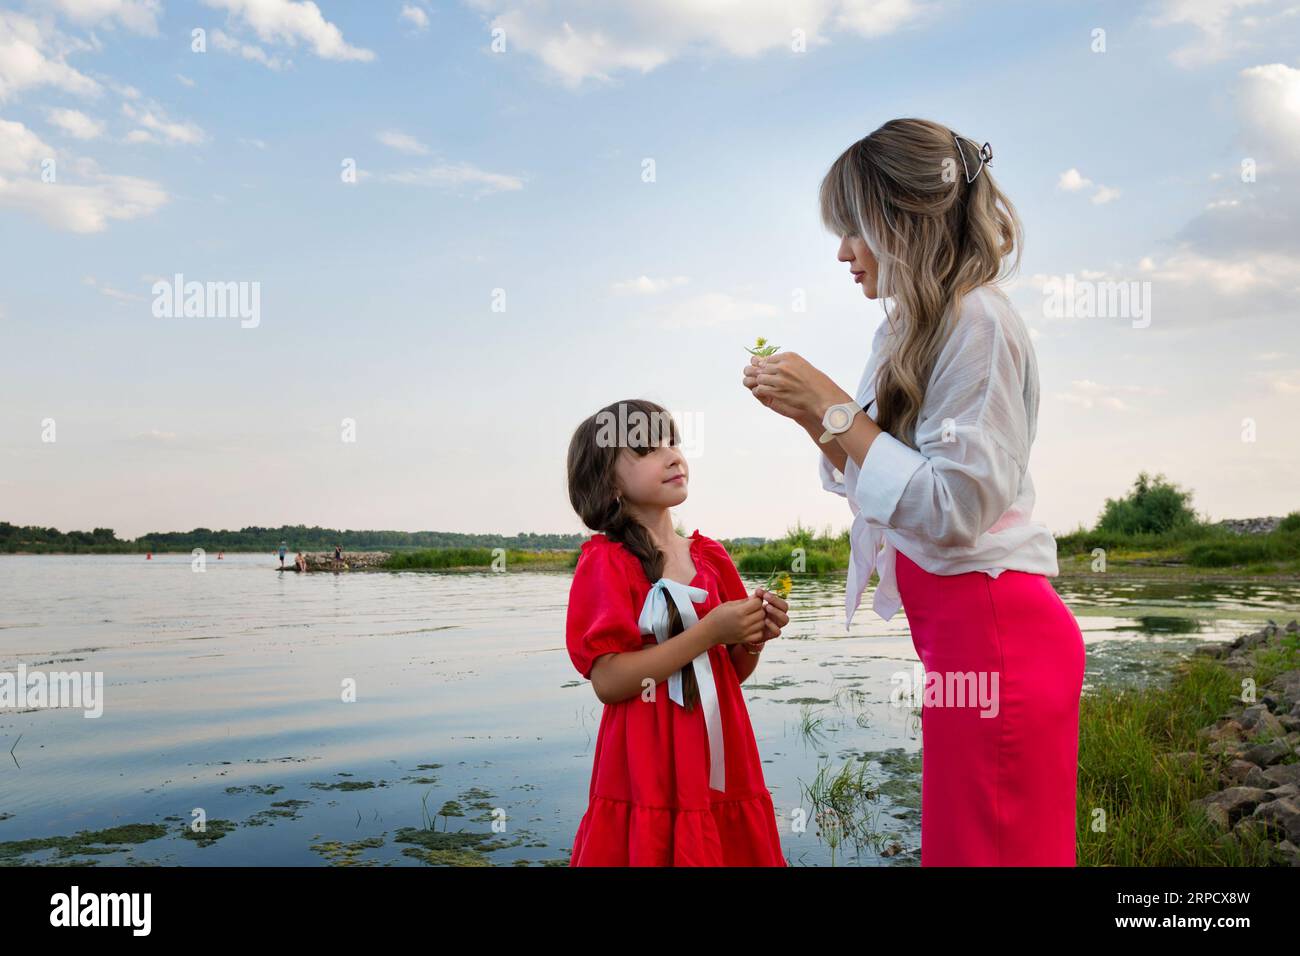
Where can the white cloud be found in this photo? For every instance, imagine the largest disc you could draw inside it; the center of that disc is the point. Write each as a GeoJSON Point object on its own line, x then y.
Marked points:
{"type": "Point", "coordinates": [1187, 288]}
{"type": "Point", "coordinates": [597, 40]}
{"type": "Point", "coordinates": [157, 128]}
{"type": "Point", "coordinates": [415, 16]}
{"type": "Point", "coordinates": [1219, 23]}
{"type": "Point", "coordinates": [402, 142]}
{"type": "Point", "coordinates": [81, 199]}
{"type": "Point", "coordinates": [75, 123]}
{"type": "Point", "coordinates": [1269, 109]}
{"type": "Point", "coordinates": [112, 293]}
{"type": "Point", "coordinates": [456, 175]}
{"type": "Point", "coordinates": [712, 308]}
{"type": "Point", "coordinates": [1073, 181]}
{"type": "Point", "coordinates": [1286, 383]}
{"type": "Point", "coordinates": [33, 55]}
{"type": "Point", "coordinates": [138, 15]}
{"type": "Point", "coordinates": [292, 22]}
{"type": "Point", "coordinates": [874, 18]}
{"type": "Point", "coordinates": [153, 435]}
{"type": "Point", "coordinates": [184, 80]}
{"type": "Point", "coordinates": [1259, 216]}
{"type": "Point", "coordinates": [1087, 394]}
{"type": "Point", "coordinates": [23, 151]}
{"type": "Point", "coordinates": [228, 44]}
{"type": "Point", "coordinates": [1261, 276]}
{"type": "Point", "coordinates": [644, 285]}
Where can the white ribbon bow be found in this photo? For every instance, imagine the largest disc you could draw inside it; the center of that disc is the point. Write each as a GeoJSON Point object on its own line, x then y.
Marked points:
{"type": "Point", "coordinates": [654, 620]}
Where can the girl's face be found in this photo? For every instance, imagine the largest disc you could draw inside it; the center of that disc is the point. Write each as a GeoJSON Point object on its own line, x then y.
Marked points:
{"type": "Point", "coordinates": [653, 480]}
{"type": "Point", "coordinates": [862, 263]}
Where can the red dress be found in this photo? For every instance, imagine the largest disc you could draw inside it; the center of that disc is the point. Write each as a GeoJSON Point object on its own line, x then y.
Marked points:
{"type": "Point", "coordinates": [650, 803]}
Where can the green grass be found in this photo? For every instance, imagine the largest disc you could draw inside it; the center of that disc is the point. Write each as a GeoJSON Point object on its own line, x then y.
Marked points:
{"type": "Point", "coordinates": [1130, 780]}
{"type": "Point", "coordinates": [805, 551]}
{"type": "Point", "coordinates": [801, 551]}
{"type": "Point", "coordinates": [1200, 546]}
{"type": "Point", "coordinates": [442, 559]}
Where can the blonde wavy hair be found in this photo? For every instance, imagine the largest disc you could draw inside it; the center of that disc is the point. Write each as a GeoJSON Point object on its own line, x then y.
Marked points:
{"type": "Point", "coordinates": [903, 190]}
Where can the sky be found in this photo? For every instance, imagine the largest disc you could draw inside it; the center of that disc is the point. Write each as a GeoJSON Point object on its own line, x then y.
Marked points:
{"type": "Point", "coordinates": [465, 226]}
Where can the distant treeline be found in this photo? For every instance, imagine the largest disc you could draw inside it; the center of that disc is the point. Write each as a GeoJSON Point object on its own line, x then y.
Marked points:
{"type": "Point", "coordinates": [37, 540]}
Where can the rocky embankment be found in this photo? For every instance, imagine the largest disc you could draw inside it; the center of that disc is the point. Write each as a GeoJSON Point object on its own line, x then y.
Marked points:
{"type": "Point", "coordinates": [352, 561]}
{"type": "Point", "coordinates": [1258, 744]}
{"type": "Point", "coordinates": [1250, 525]}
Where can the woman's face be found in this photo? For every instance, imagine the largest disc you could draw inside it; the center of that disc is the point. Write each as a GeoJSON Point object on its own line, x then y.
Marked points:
{"type": "Point", "coordinates": [862, 263]}
{"type": "Point", "coordinates": [654, 480]}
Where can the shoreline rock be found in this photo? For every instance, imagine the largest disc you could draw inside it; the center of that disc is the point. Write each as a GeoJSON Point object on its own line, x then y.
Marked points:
{"type": "Point", "coordinates": [1262, 792]}
{"type": "Point", "coordinates": [324, 561]}
{"type": "Point", "coordinates": [1250, 525]}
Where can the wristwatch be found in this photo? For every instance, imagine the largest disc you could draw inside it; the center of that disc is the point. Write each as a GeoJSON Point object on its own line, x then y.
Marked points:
{"type": "Point", "coordinates": [838, 419]}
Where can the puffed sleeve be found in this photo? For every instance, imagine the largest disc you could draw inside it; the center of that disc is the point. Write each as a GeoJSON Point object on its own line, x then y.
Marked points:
{"type": "Point", "coordinates": [601, 617]}
{"type": "Point", "coordinates": [972, 442]}
{"type": "Point", "coordinates": [731, 586]}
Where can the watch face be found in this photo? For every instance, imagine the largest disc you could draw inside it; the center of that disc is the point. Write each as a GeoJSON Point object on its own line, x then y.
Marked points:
{"type": "Point", "coordinates": [838, 416]}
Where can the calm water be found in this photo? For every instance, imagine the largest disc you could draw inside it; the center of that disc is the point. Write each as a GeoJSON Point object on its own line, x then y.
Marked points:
{"type": "Point", "coordinates": [223, 691]}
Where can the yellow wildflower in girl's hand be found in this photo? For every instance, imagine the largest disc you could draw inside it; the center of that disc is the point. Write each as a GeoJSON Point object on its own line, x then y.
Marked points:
{"type": "Point", "coordinates": [783, 585]}
{"type": "Point", "coordinates": [761, 347]}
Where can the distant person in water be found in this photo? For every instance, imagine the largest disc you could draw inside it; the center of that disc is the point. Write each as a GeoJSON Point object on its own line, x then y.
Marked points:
{"type": "Point", "coordinates": [338, 554]}
{"type": "Point", "coordinates": [300, 562]}
{"type": "Point", "coordinates": [283, 552]}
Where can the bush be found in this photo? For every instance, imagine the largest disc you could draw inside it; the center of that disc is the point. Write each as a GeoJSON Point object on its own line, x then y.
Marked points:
{"type": "Point", "coordinates": [1153, 506]}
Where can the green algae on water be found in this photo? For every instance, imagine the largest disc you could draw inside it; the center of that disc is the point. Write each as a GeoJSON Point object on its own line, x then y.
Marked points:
{"type": "Point", "coordinates": [346, 854]}
{"type": "Point", "coordinates": [212, 832]}
{"type": "Point", "coordinates": [348, 785]}
{"type": "Point", "coordinates": [444, 849]}
{"type": "Point", "coordinates": [111, 840]}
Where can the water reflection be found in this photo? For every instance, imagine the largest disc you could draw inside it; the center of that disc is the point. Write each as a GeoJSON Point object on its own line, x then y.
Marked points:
{"type": "Point", "coordinates": [227, 692]}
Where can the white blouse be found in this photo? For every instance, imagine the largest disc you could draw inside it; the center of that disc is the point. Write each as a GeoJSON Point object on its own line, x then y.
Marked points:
{"type": "Point", "coordinates": [963, 501]}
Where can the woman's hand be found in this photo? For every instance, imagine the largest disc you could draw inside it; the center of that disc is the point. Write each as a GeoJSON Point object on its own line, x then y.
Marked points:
{"type": "Point", "coordinates": [737, 622]}
{"type": "Point", "coordinates": [790, 386]}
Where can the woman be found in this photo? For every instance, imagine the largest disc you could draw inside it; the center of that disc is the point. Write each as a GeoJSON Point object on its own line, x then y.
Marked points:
{"type": "Point", "coordinates": [935, 471]}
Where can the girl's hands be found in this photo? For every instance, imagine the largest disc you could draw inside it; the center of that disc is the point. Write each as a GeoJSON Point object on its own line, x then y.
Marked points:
{"type": "Point", "coordinates": [790, 386]}
{"type": "Point", "coordinates": [738, 622]}
{"type": "Point", "coordinates": [776, 609]}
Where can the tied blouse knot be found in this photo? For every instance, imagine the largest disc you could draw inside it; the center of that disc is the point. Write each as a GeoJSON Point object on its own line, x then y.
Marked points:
{"type": "Point", "coordinates": [961, 500]}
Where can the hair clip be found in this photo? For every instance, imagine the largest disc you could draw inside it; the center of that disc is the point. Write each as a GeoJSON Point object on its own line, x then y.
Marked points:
{"type": "Point", "coordinates": [985, 155]}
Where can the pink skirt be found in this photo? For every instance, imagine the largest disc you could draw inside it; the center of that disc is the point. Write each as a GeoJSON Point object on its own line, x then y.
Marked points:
{"type": "Point", "coordinates": [996, 790]}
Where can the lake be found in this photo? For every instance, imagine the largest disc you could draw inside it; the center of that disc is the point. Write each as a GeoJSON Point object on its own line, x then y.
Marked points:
{"type": "Point", "coordinates": [224, 693]}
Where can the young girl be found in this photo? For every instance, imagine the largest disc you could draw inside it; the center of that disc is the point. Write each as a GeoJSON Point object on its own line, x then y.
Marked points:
{"type": "Point", "coordinates": [663, 628]}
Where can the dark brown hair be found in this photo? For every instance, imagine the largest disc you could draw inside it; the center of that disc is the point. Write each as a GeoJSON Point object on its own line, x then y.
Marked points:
{"type": "Point", "coordinates": [594, 493]}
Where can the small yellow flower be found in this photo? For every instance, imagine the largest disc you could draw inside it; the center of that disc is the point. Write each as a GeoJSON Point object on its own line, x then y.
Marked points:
{"type": "Point", "coordinates": [761, 347]}
{"type": "Point", "coordinates": [783, 586]}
